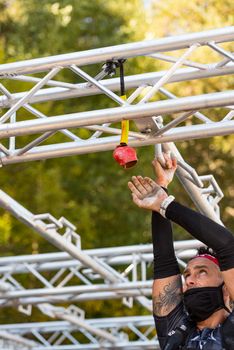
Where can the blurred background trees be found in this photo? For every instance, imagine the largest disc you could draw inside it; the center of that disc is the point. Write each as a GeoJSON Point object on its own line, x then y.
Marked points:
{"type": "Point", "coordinates": [91, 190]}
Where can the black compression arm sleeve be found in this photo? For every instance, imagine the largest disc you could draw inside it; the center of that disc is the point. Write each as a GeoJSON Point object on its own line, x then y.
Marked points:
{"type": "Point", "coordinates": [206, 230]}
{"type": "Point", "coordinates": [165, 263]}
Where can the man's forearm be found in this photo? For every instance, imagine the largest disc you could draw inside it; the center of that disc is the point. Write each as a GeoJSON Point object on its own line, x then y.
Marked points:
{"type": "Point", "coordinates": [165, 263]}
{"type": "Point", "coordinates": [206, 230]}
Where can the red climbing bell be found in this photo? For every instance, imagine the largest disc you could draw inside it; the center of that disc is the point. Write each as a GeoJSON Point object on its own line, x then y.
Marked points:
{"type": "Point", "coordinates": [124, 155]}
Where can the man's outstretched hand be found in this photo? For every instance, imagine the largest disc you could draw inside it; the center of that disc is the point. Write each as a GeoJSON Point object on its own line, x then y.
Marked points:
{"type": "Point", "coordinates": [146, 193]}
{"type": "Point", "coordinates": [164, 171]}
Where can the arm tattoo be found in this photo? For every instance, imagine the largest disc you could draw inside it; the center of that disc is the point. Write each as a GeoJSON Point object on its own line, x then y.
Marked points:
{"type": "Point", "coordinates": [169, 298]}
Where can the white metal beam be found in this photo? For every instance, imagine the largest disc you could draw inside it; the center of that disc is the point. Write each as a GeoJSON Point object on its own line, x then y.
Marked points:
{"type": "Point", "coordinates": [109, 143]}
{"type": "Point", "coordinates": [113, 115]}
{"type": "Point", "coordinates": [84, 89]}
{"type": "Point", "coordinates": [118, 52]}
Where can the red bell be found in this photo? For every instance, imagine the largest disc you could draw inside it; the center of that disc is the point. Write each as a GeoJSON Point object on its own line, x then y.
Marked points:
{"type": "Point", "coordinates": [126, 156]}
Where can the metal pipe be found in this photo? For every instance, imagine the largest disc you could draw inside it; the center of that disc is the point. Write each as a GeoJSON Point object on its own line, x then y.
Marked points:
{"type": "Point", "coordinates": [118, 51]}
{"type": "Point", "coordinates": [18, 339]}
{"type": "Point", "coordinates": [135, 293]}
{"type": "Point", "coordinates": [117, 287]}
{"type": "Point", "coordinates": [51, 235]}
{"type": "Point", "coordinates": [51, 326]}
{"type": "Point", "coordinates": [199, 115]}
{"type": "Point", "coordinates": [29, 94]}
{"type": "Point", "coordinates": [35, 142]}
{"type": "Point", "coordinates": [114, 131]}
{"type": "Point", "coordinates": [38, 114]}
{"type": "Point", "coordinates": [188, 63]}
{"type": "Point", "coordinates": [120, 345]}
{"type": "Point", "coordinates": [109, 143]}
{"type": "Point", "coordinates": [194, 192]}
{"type": "Point", "coordinates": [133, 81]}
{"type": "Point", "coordinates": [221, 50]}
{"type": "Point", "coordinates": [168, 74]}
{"type": "Point", "coordinates": [93, 330]}
{"type": "Point", "coordinates": [111, 254]}
{"type": "Point", "coordinates": [117, 114]}
{"type": "Point", "coordinates": [173, 123]}
{"type": "Point", "coordinates": [96, 83]}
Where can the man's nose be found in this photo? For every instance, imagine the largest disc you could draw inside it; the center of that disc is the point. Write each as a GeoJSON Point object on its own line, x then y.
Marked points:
{"type": "Point", "coordinates": [190, 282]}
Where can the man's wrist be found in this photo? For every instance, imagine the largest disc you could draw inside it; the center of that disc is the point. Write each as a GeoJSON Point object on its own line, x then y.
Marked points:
{"type": "Point", "coordinates": [164, 204]}
{"type": "Point", "coordinates": [161, 197]}
{"type": "Point", "coordinates": [162, 183]}
{"type": "Point", "coordinates": [165, 189]}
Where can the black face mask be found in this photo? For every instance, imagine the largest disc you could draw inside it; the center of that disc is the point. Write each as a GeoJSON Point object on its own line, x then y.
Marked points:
{"type": "Point", "coordinates": [202, 302]}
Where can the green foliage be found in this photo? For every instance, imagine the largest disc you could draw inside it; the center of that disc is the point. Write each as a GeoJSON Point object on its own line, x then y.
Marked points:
{"type": "Point", "coordinates": [5, 228]}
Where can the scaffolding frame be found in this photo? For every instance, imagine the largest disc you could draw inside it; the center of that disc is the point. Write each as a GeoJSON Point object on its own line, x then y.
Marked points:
{"type": "Point", "coordinates": [141, 112]}
{"type": "Point", "coordinates": [95, 273]}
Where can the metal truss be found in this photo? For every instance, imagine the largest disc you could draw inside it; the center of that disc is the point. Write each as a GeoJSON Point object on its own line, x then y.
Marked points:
{"type": "Point", "coordinates": [61, 278]}
{"type": "Point", "coordinates": [136, 333]}
{"type": "Point", "coordinates": [113, 281]}
{"type": "Point", "coordinates": [50, 228]}
{"type": "Point", "coordinates": [77, 275]}
{"type": "Point", "coordinates": [58, 269]}
{"type": "Point", "coordinates": [9, 341]}
{"type": "Point", "coordinates": [122, 270]}
{"type": "Point", "coordinates": [136, 108]}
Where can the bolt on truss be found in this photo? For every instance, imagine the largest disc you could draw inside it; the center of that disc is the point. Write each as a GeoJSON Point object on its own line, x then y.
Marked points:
{"type": "Point", "coordinates": [138, 107]}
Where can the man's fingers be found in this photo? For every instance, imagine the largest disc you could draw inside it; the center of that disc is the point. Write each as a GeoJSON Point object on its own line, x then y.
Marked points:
{"type": "Point", "coordinates": [164, 162]}
{"type": "Point", "coordinates": [141, 188]}
{"type": "Point", "coordinates": [168, 160]}
{"type": "Point", "coordinates": [145, 184]}
{"type": "Point", "coordinates": [174, 162]}
{"type": "Point", "coordinates": [157, 166]}
{"type": "Point", "coordinates": [133, 189]}
{"type": "Point", "coordinates": [150, 183]}
{"type": "Point", "coordinates": [138, 182]}
{"type": "Point", "coordinates": [168, 164]}
{"type": "Point", "coordinates": [137, 187]}
{"type": "Point", "coordinates": [161, 161]}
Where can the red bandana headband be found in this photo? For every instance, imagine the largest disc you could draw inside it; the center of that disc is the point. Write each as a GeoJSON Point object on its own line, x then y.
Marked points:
{"type": "Point", "coordinates": [209, 257]}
